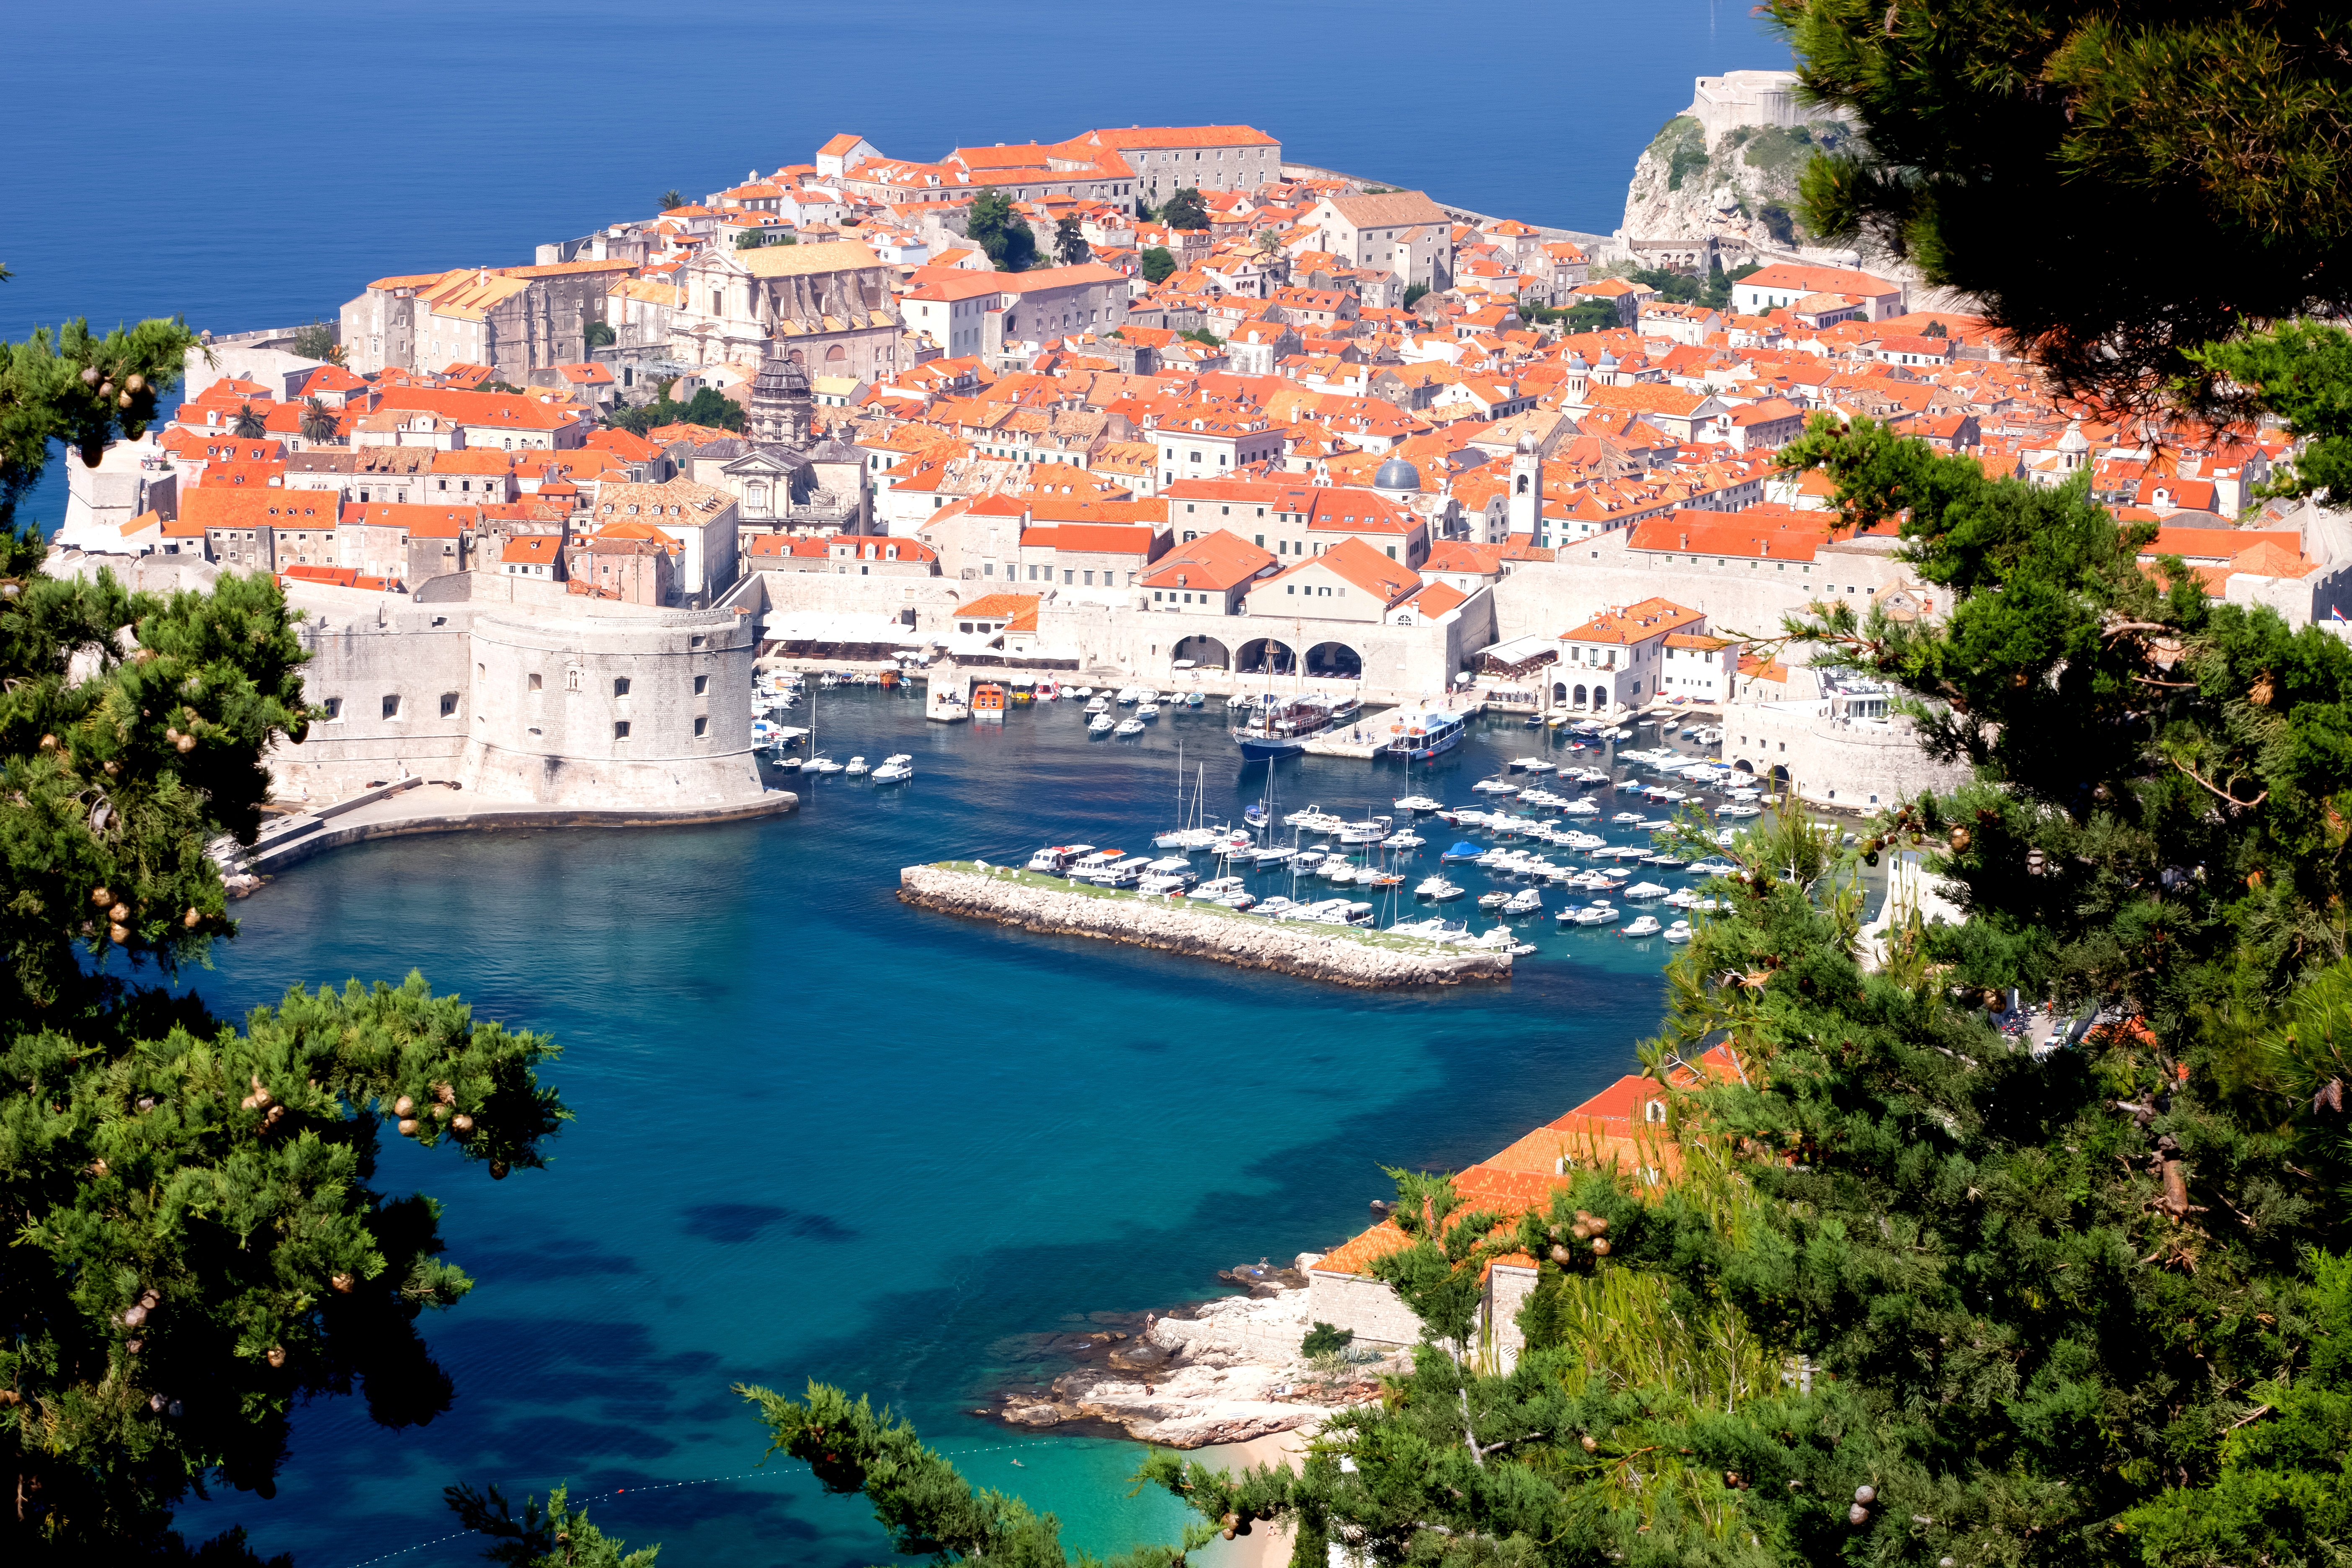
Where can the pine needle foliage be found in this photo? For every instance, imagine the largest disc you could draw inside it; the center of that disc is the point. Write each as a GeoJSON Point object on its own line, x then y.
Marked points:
{"type": "Point", "coordinates": [197, 1246]}
{"type": "Point", "coordinates": [2055, 160]}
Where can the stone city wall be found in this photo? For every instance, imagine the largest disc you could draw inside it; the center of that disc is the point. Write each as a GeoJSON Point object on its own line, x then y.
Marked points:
{"type": "Point", "coordinates": [1855, 764]}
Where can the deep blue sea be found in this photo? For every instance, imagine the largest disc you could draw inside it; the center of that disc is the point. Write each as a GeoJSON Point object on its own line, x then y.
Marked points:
{"type": "Point", "coordinates": [823, 1135]}
{"type": "Point", "coordinates": [820, 1134]}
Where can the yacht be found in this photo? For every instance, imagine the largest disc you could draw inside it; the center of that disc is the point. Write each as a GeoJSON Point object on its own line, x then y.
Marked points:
{"type": "Point", "coordinates": [1278, 727]}
{"type": "Point", "coordinates": [1128, 727]}
{"type": "Point", "coordinates": [1370, 831]}
{"type": "Point", "coordinates": [1596, 913]}
{"type": "Point", "coordinates": [1436, 888]}
{"type": "Point", "coordinates": [1525, 901]}
{"type": "Point", "coordinates": [1100, 726]}
{"type": "Point", "coordinates": [1644, 925]}
{"type": "Point", "coordinates": [858, 767]}
{"type": "Point", "coordinates": [894, 769]}
{"type": "Point", "coordinates": [1419, 734]}
{"type": "Point", "coordinates": [1493, 900]}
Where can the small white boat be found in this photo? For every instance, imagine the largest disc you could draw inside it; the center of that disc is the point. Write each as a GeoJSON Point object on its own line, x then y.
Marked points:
{"type": "Point", "coordinates": [1128, 727]}
{"type": "Point", "coordinates": [1314, 820]}
{"type": "Point", "coordinates": [1582, 808]}
{"type": "Point", "coordinates": [1101, 725]}
{"type": "Point", "coordinates": [1436, 888]}
{"type": "Point", "coordinates": [1406, 841]}
{"type": "Point", "coordinates": [1644, 891]}
{"type": "Point", "coordinates": [1098, 705]}
{"type": "Point", "coordinates": [1082, 691]}
{"type": "Point", "coordinates": [1242, 902]}
{"type": "Point", "coordinates": [1335, 870]}
{"type": "Point", "coordinates": [1502, 939]}
{"type": "Point", "coordinates": [1739, 809]}
{"type": "Point", "coordinates": [1493, 900]}
{"type": "Point", "coordinates": [858, 767]}
{"type": "Point", "coordinates": [1274, 908]}
{"type": "Point", "coordinates": [1055, 860]}
{"type": "Point", "coordinates": [1679, 932]}
{"type": "Point", "coordinates": [1711, 868]}
{"type": "Point", "coordinates": [1629, 819]}
{"type": "Point", "coordinates": [1592, 914]}
{"type": "Point", "coordinates": [1362, 832]}
{"type": "Point", "coordinates": [1525, 901]}
{"type": "Point", "coordinates": [1644, 925]}
{"type": "Point", "coordinates": [1275, 855]}
{"type": "Point", "coordinates": [894, 770]}
{"type": "Point", "coordinates": [1415, 803]}
{"type": "Point", "coordinates": [1495, 787]}
{"type": "Point", "coordinates": [1148, 710]}
{"type": "Point", "coordinates": [1219, 889]}
{"type": "Point", "coordinates": [1530, 764]}
{"type": "Point", "coordinates": [820, 764]}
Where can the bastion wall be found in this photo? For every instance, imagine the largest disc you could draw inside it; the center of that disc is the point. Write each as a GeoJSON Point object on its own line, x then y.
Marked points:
{"type": "Point", "coordinates": [1855, 765]}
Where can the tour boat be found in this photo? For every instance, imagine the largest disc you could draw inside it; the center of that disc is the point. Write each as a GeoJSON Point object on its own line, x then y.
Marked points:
{"type": "Point", "coordinates": [1415, 803]}
{"type": "Point", "coordinates": [1419, 734]}
{"type": "Point", "coordinates": [1100, 726]}
{"type": "Point", "coordinates": [1055, 860]}
{"type": "Point", "coordinates": [1281, 726]}
{"type": "Point", "coordinates": [1086, 866]}
{"type": "Point", "coordinates": [1128, 727]}
{"type": "Point", "coordinates": [1644, 925]}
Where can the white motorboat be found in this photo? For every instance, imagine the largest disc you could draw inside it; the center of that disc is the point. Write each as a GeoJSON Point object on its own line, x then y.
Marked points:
{"type": "Point", "coordinates": [1148, 710]}
{"type": "Point", "coordinates": [1581, 808]}
{"type": "Point", "coordinates": [1592, 914]}
{"type": "Point", "coordinates": [1628, 819]}
{"type": "Point", "coordinates": [1739, 809]}
{"type": "Point", "coordinates": [1274, 908]}
{"type": "Point", "coordinates": [1679, 932]}
{"type": "Point", "coordinates": [1434, 928]}
{"type": "Point", "coordinates": [1336, 870]}
{"type": "Point", "coordinates": [1275, 855]}
{"type": "Point", "coordinates": [820, 764]}
{"type": "Point", "coordinates": [1642, 892]}
{"type": "Point", "coordinates": [1313, 819]}
{"type": "Point", "coordinates": [1711, 867]}
{"type": "Point", "coordinates": [1415, 803]}
{"type": "Point", "coordinates": [1127, 873]}
{"type": "Point", "coordinates": [1530, 764]}
{"type": "Point", "coordinates": [1502, 939]}
{"type": "Point", "coordinates": [1493, 900]}
{"type": "Point", "coordinates": [858, 767]}
{"type": "Point", "coordinates": [1238, 902]}
{"type": "Point", "coordinates": [1082, 691]}
{"type": "Point", "coordinates": [1644, 925]}
{"type": "Point", "coordinates": [1098, 705]}
{"type": "Point", "coordinates": [1101, 725]}
{"type": "Point", "coordinates": [1127, 727]}
{"type": "Point", "coordinates": [1525, 901]}
{"type": "Point", "coordinates": [1055, 860]}
{"type": "Point", "coordinates": [1218, 889]}
{"type": "Point", "coordinates": [1680, 898]}
{"type": "Point", "coordinates": [1129, 696]}
{"type": "Point", "coordinates": [1362, 832]}
{"type": "Point", "coordinates": [894, 770]}
{"type": "Point", "coordinates": [1406, 841]}
{"type": "Point", "coordinates": [1495, 787]}
{"type": "Point", "coordinates": [1436, 888]}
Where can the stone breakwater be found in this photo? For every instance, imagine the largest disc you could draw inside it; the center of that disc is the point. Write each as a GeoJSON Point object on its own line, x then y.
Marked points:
{"type": "Point", "coordinates": [1343, 956]}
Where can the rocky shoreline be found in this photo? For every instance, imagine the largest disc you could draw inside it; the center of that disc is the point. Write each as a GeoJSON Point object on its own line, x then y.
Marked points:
{"type": "Point", "coordinates": [1220, 1371]}
{"type": "Point", "coordinates": [1340, 955]}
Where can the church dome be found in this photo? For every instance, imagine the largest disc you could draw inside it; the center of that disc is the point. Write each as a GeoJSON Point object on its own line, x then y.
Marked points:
{"type": "Point", "coordinates": [2073, 440]}
{"type": "Point", "coordinates": [780, 377]}
{"type": "Point", "coordinates": [1396, 474]}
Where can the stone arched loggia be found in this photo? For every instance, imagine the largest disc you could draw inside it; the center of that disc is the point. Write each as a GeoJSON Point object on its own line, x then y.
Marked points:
{"type": "Point", "coordinates": [1265, 656]}
{"type": "Point", "coordinates": [1205, 652]}
{"type": "Point", "coordinates": [1335, 660]}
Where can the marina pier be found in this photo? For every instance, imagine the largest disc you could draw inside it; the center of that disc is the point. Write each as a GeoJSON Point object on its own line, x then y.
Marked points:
{"type": "Point", "coordinates": [1343, 955]}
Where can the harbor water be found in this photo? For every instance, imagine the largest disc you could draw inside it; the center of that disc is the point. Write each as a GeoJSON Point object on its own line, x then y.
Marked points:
{"type": "Point", "coordinates": [822, 1135]}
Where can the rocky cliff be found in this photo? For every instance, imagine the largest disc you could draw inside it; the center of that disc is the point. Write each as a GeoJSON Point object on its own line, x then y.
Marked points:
{"type": "Point", "coordinates": [1739, 189]}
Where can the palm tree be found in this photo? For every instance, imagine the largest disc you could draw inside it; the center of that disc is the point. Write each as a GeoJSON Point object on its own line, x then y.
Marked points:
{"type": "Point", "coordinates": [672, 197]}
{"type": "Point", "coordinates": [319, 424]}
{"type": "Point", "coordinates": [250, 427]}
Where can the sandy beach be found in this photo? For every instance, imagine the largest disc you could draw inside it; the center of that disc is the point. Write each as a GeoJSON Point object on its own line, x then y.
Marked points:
{"type": "Point", "coordinates": [1267, 1546]}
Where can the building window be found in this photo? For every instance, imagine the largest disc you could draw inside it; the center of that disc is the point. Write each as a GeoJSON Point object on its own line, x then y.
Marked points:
{"type": "Point", "coordinates": [620, 729]}
{"type": "Point", "coordinates": [334, 706]}
{"type": "Point", "coordinates": [701, 727]}
{"type": "Point", "coordinates": [391, 706]}
{"type": "Point", "coordinates": [701, 684]}
{"type": "Point", "coordinates": [448, 703]}
{"type": "Point", "coordinates": [620, 686]}
{"type": "Point", "coordinates": [535, 683]}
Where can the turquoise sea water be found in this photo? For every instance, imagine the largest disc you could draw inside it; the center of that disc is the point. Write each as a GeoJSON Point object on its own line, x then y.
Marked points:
{"type": "Point", "coordinates": [821, 1134]}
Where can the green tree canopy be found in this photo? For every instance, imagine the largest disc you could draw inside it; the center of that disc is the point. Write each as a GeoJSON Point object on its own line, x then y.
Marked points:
{"type": "Point", "coordinates": [1158, 265]}
{"type": "Point", "coordinates": [1000, 232]}
{"type": "Point", "coordinates": [196, 1244]}
{"type": "Point", "coordinates": [672, 197]}
{"type": "Point", "coordinates": [1070, 247]}
{"type": "Point", "coordinates": [708, 406]}
{"type": "Point", "coordinates": [1185, 209]}
{"type": "Point", "coordinates": [2055, 160]}
{"type": "Point", "coordinates": [317, 341]}
{"type": "Point", "coordinates": [319, 422]}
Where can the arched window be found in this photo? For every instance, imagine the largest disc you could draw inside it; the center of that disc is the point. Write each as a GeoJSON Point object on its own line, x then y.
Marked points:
{"type": "Point", "coordinates": [571, 678]}
{"type": "Point", "coordinates": [1523, 484]}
